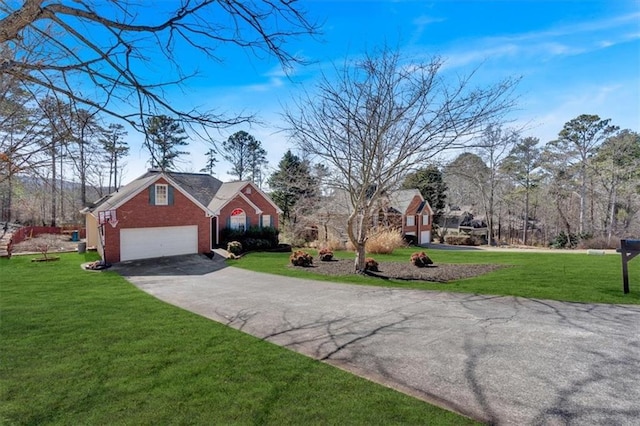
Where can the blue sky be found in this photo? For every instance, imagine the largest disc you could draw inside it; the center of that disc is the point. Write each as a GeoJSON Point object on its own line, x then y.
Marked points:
{"type": "Point", "coordinates": [574, 57]}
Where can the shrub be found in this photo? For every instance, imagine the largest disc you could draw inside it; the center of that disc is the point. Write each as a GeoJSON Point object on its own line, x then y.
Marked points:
{"type": "Point", "coordinates": [234, 247]}
{"type": "Point", "coordinates": [301, 258]}
{"type": "Point", "coordinates": [325, 254]}
{"type": "Point", "coordinates": [563, 240]}
{"type": "Point", "coordinates": [420, 259]}
{"type": "Point", "coordinates": [371, 265]}
{"type": "Point", "coordinates": [254, 238]}
{"type": "Point", "coordinates": [460, 240]}
{"type": "Point", "coordinates": [384, 241]}
{"type": "Point", "coordinates": [410, 240]}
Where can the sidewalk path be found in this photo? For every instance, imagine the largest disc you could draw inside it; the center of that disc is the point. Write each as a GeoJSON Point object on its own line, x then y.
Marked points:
{"type": "Point", "coordinates": [502, 360]}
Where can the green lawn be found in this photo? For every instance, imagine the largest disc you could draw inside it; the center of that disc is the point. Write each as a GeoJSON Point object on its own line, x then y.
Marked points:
{"type": "Point", "coordinates": [575, 277]}
{"type": "Point", "coordinates": [81, 347]}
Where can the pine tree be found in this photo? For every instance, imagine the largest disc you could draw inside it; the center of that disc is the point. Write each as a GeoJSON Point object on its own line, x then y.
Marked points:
{"type": "Point", "coordinates": [164, 137]}
{"type": "Point", "coordinates": [246, 155]}
{"type": "Point", "coordinates": [115, 149]}
{"type": "Point", "coordinates": [211, 161]}
{"type": "Point", "coordinates": [290, 183]}
{"type": "Point", "coordinates": [431, 185]}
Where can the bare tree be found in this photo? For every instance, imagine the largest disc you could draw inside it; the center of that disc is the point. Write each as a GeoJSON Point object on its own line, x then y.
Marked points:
{"type": "Point", "coordinates": [380, 118]}
{"type": "Point", "coordinates": [493, 148]}
{"type": "Point", "coordinates": [93, 52]}
{"type": "Point", "coordinates": [18, 146]}
{"type": "Point", "coordinates": [56, 125]}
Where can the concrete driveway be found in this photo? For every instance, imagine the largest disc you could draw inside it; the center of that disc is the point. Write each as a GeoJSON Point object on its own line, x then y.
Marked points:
{"type": "Point", "coordinates": [502, 360]}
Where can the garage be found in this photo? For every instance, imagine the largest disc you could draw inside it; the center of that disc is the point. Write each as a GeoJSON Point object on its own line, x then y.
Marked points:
{"type": "Point", "coordinates": [144, 243]}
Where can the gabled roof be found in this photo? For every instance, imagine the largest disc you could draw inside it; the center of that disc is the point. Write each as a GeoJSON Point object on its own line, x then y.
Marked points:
{"type": "Point", "coordinates": [398, 201]}
{"type": "Point", "coordinates": [229, 190]}
{"type": "Point", "coordinates": [209, 193]}
{"type": "Point", "coordinates": [122, 195]}
{"type": "Point", "coordinates": [402, 198]}
{"type": "Point", "coordinates": [199, 188]}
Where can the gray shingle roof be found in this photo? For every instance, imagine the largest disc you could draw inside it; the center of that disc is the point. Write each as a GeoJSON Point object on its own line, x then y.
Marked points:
{"type": "Point", "coordinates": [201, 187]}
{"type": "Point", "coordinates": [110, 201]}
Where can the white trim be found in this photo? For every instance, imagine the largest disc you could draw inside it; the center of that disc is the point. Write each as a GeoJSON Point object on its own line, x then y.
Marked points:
{"type": "Point", "coordinates": [239, 193]}
{"type": "Point", "coordinates": [165, 201]}
{"type": "Point", "coordinates": [266, 197]}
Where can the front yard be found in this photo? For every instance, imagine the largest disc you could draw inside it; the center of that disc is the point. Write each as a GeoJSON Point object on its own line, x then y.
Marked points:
{"type": "Point", "coordinates": [573, 277]}
{"type": "Point", "coordinates": [82, 347]}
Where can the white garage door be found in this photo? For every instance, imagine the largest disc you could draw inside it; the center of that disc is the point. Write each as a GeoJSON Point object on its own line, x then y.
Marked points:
{"type": "Point", "coordinates": [425, 238]}
{"type": "Point", "coordinates": [144, 243]}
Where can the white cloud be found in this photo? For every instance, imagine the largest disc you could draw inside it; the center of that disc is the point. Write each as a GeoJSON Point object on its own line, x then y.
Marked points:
{"type": "Point", "coordinates": [568, 40]}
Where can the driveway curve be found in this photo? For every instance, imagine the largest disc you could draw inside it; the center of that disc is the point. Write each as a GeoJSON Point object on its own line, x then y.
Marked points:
{"type": "Point", "coordinates": [501, 360]}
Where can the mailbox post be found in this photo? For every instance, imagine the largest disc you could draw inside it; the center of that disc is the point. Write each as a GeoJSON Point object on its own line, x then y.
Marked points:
{"type": "Point", "coordinates": [628, 249]}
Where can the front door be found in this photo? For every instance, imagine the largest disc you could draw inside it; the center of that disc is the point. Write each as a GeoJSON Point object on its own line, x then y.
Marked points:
{"type": "Point", "coordinates": [214, 232]}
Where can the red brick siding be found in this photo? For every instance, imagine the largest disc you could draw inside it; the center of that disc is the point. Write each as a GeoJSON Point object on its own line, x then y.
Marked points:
{"type": "Point", "coordinates": [138, 213]}
{"type": "Point", "coordinates": [411, 211]}
{"type": "Point", "coordinates": [254, 219]}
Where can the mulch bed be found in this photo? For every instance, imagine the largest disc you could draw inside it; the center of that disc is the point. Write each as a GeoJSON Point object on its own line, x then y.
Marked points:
{"type": "Point", "coordinates": [441, 273]}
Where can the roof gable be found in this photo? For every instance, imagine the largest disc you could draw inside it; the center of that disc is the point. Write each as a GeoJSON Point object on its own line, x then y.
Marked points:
{"type": "Point", "coordinates": [229, 190]}
{"type": "Point", "coordinates": [402, 199]}
{"type": "Point", "coordinates": [196, 187]}
{"type": "Point", "coordinates": [201, 187]}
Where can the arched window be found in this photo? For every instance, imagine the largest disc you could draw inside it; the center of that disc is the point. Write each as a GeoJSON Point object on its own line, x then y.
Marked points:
{"type": "Point", "coordinates": [238, 220]}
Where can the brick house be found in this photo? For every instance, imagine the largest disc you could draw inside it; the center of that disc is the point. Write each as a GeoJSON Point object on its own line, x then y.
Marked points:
{"type": "Point", "coordinates": [413, 212]}
{"type": "Point", "coordinates": [403, 209]}
{"type": "Point", "coordinates": [166, 213]}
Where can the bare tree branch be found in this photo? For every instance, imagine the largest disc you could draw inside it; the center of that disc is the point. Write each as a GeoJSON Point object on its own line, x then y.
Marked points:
{"type": "Point", "coordinates": [95, 52]}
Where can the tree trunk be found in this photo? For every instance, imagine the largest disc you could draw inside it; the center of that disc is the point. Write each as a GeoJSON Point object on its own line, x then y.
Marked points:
{"type": "Point", "coordinates": [360, 258]}
{"type": "Point", "coordinates": [612, 213]}
{"type": "Point", "coordinates": [9, 193]}
{"type": "Point", "coordinates": [61, 156]}
{"type": "Point", "coordinates": [83, 174]}
{"type": "Point", "coordinates": [53, 184]}
{"type": "Point", "coordinates": [115, 174]}
{"type": "Point", "coordinates": [357, 236]}
{"type": "Point", "coordinates": [526, 215]}
{"type": "Point", "coordinates": [583, 195]}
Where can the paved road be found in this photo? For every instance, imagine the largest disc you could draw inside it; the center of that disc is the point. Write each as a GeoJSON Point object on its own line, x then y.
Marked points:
{"type": "Point", "coordinates": [502, 360]}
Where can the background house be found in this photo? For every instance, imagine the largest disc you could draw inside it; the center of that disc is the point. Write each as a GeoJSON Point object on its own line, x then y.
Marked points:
{"type": "Point", "coordinates": [403, 209]}
{"type": "Point", "coordinates": [166, 214]}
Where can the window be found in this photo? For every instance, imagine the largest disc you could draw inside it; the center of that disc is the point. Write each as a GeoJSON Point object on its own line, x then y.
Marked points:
{"type": "Point", "coordinates": [425, 219]}
{"type": "Point", "coordinates": [411, 221]}
{"type": "Point", "coordinates": [238, 220]}
{"type": "Point", "coordinates": [162, 195]}
{"type": "Point", "coordinates": [266, 220]}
